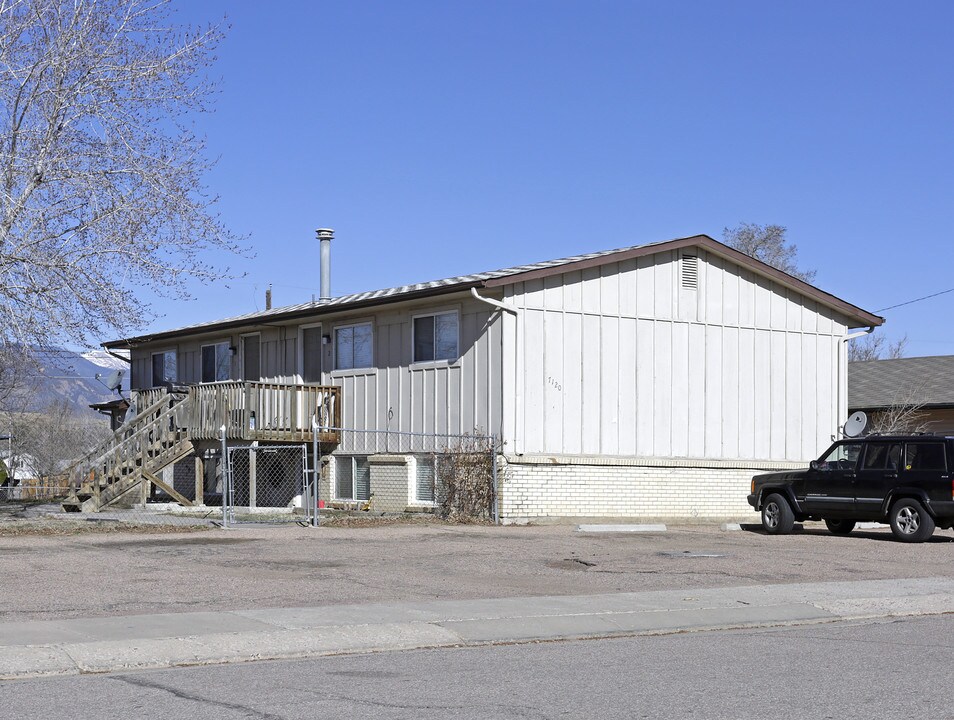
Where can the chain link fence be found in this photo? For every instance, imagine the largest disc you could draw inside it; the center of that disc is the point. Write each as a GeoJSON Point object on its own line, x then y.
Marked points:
{"type": "Point", "coordinates": [379, 472]}
{"type": "Point", "coordinates": [268, 484]}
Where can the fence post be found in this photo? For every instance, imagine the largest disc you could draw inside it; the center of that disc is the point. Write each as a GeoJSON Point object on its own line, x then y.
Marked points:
{"type": "Point", "coordinates": [225, 480]}
{"type": "Point", "coordinates": [315, 465]}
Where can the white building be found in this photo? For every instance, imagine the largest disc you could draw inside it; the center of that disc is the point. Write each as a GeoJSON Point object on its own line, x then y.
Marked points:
{"type": "Point", "coordinates": [650, 381]}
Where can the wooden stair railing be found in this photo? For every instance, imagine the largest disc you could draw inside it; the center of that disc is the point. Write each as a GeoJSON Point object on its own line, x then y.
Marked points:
{"type": "Point", "coordinates": [156, 438]}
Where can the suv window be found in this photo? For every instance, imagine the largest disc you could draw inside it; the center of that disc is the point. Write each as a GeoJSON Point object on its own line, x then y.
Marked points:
{"type": "Point", "coordinates": [924, 456]}
{"type": "Point", "coordinates": [841, 457]}
{"type": "Point", "coordinates": [879, 456]}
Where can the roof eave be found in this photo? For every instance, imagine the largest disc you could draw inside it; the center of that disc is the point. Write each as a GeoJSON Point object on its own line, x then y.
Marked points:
{"type": "Point", "coordinates": [280, 317]}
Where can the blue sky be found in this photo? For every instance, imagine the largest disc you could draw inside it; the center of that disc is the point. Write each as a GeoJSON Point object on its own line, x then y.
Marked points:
{"type": "Point", "coordinates": [442, 138]}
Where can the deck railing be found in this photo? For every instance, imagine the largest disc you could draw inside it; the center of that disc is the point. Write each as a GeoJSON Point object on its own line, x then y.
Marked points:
{"type": "Point", "coordinates": [264, 411]}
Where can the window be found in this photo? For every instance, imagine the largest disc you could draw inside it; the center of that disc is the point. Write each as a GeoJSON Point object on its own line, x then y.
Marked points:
{"type": "Point", "coordinates": [924, 456]}
{"type": "Point", "coordinates": [311, 354]}
{"type": "Point", "coordinates": [216, 362]}
{"type": "Point", "coordinates": [425, 479]}
{"type": "Point", "coordinates": [435, 337]}
{"type": "Point", "coordinates": [164, 368]}
{"type": "Point", "coordinates": [353, 347]}
{"type": "Point", "coordinates": [352, 478]}
{"type": "Point", "coordinates": [879, 456]}
{"type": "Point", "coordinates": [841, 457]}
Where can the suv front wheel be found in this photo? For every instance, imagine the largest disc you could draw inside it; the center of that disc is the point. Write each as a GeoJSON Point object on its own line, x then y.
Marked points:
{"type": "Point", "coordinates": [910, 522]}
{"type": "Point", "coordinates": [777, 515]}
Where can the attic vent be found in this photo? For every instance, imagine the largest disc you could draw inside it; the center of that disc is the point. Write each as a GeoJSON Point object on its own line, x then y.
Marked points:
{"type": "Point", "coordinates": [690, 272]}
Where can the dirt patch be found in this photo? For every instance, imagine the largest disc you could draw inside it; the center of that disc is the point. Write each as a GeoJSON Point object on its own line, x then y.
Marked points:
{"type": "Point", "coordinates": [216, 540]}
{"type": "Point", "coordinates": [66, 527]}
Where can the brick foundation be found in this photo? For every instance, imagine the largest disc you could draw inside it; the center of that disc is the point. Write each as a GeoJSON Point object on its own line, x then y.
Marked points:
{"type": "Point", "coordinates": [569, 487]}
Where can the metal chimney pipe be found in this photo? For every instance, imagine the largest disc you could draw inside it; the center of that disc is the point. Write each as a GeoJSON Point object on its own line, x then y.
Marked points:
{"type": "Point", "coordinates": [325, 235]}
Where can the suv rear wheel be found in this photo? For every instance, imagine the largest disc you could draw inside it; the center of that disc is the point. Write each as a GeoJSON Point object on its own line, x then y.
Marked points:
{"type": "Point", "coordinates": [777, 515]}
{"type": "Point", "coordinates": [910, 522]}
{"type": "Point", "coordinates": [840, 527]}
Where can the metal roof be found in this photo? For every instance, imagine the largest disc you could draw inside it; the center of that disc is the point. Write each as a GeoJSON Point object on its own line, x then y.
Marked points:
{"type": "Point", "coordinates": [928, 381]}
{"type": "Point", "coordinates": [492, 278]}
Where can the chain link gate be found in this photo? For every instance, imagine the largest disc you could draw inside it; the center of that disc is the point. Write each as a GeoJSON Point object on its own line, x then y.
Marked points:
{"type": "Point", "coordinates": [269, 484]}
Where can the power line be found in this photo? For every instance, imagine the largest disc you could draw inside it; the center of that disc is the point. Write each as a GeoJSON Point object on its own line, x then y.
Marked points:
{"type": "Point", "coordinates": [909, 302]}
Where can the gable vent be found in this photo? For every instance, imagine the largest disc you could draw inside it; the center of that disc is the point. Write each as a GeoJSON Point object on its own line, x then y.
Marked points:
{"type": "Point", "coordinates": [690, 272]}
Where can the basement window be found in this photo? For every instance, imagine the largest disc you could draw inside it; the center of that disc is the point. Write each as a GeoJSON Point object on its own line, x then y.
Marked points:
{"type": "Point", "coordinates": [425, 480]}
{"type": "Point", "coordinates": [352, 478]}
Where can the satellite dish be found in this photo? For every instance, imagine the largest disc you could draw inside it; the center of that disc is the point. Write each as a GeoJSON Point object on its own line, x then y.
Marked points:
{"type": "Point", "coordinates": [855, 424]}
{"type": "Point", "coordinates": [113, 381]}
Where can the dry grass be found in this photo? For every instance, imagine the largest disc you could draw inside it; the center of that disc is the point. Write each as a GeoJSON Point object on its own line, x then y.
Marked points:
{"type": "Point", "coordinates": [358, 521]}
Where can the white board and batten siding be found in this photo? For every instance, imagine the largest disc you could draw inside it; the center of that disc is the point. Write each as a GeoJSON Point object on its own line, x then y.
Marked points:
{"type": "Point", "coordinates": [634, 358]}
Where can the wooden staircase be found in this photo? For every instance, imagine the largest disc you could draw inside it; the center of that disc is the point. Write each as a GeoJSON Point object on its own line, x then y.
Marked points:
{"type": "Point", "coordinates": [134, 456]}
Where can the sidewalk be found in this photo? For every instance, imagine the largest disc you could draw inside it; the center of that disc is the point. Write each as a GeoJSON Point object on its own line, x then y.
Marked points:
{"type": "Point", "coordinates": [69, 647]}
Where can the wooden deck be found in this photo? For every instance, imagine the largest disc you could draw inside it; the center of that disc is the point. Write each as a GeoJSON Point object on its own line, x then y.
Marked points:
{"type": "Point", "coordinates": [268, 412]}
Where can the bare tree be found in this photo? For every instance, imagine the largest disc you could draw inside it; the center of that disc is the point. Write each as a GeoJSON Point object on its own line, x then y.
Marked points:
{"type": "Point", "coordinates": [904, 415]}
{"type": "Point", "coordinates": [875, 347]}
{"type": "Point", "coordinates": [767, 243]}
{"type": "Point", "coordinates": [55, 437]}
{"type": "Point", "coordinates": [101, 190]}
{"type": "Point", "coordinates": [17, 376]}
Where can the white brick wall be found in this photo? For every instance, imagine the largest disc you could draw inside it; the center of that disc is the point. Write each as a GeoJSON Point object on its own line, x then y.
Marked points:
{"type": "Point", "coordinates": [539, 488]}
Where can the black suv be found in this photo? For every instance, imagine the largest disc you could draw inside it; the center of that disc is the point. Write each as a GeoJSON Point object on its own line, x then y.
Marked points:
{"type": "Point", "coordinates": [904, 480]}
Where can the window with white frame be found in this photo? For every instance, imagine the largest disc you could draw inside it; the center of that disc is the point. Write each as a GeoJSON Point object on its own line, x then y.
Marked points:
{"type": "Point", "coordinates": [164, 371]}
{"type": "Point", "coordinates": [352, 478]}
{"type": "Point", "coordinates": [425, 480]}
{"type": "Point", "coordinates": [353, 347]}
{"type": "Point", "coordinates": [216, 362]}
{"type": "Point", "coordinates": [436, 337]}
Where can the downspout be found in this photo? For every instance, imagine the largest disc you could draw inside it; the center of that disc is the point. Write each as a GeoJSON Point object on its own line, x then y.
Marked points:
{"type": "Point", "coordinates": [518, 368]}
{"type": "Point", "coordinates": [845, 339]}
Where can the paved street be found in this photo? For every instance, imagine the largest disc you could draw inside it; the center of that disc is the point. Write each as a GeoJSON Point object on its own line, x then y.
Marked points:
{"type": "Point", "coordinates": [438, 621]}
{"type": "Point", "coordinates": [872, 669]}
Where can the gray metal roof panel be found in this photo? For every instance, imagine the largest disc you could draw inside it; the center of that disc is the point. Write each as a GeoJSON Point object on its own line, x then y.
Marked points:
{"type": "Point", "coordinates": [462, 282]}
{"type": "Point", "coordinates": [882, 383]}
{"type": "Point", "coordinates": [343, 301]}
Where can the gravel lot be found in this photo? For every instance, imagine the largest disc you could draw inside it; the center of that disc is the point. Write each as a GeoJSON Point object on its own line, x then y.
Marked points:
{"type": "Point", "coordinates": [48, 577]}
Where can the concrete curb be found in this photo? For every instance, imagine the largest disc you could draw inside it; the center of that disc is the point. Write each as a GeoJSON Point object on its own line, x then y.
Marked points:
{"type": "Point", "coordinates": [70, 647]}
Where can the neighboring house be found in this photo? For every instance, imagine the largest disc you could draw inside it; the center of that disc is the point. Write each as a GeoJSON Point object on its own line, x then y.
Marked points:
{"type": "Point", "coordinates": [924, 385]}
{"type": "Point", "coordinates": [650, 381]}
